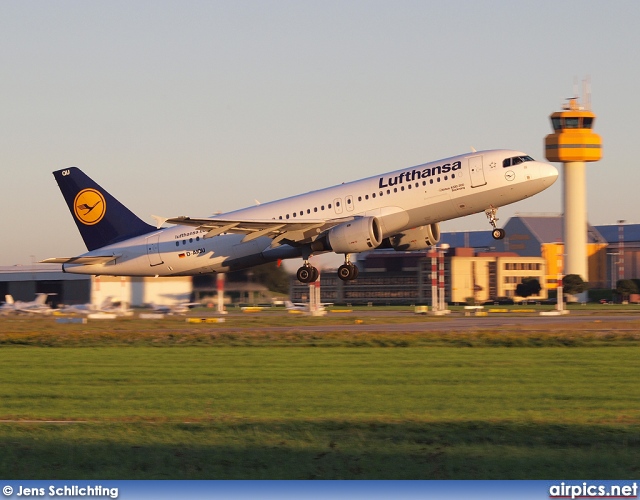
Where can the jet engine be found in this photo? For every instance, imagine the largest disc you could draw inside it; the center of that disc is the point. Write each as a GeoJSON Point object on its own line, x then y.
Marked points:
{"type": "Point", "coordinates": [355, 236]}
{"type": "Point", "coordinates": [418, 238]}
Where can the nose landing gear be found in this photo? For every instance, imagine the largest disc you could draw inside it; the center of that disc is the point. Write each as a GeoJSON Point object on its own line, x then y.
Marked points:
{"type": "Point", "coordinates": [497, 233]}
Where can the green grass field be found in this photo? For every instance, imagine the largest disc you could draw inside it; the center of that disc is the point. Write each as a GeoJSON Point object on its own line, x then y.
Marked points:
{"type": "Point", "coordinates": [279, 408]}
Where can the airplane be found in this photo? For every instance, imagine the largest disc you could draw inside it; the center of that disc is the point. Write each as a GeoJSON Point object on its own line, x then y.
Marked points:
{"type": "Point", "coordinates": [400, 210]}
{"type": "Point", "coordinates": [89, 308]}
{"type": "Point", "coordinates": [178, 308]}
{"type": "Point", "coordinates": [37, 306]}
{"type": "Point", "coordinates": [303, 306]}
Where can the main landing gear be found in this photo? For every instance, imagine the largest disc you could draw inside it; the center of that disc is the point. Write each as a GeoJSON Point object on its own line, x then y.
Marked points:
{"type": "Point", "coordinates": [347, 271]}
{"type": "Point", "coordinates": [497, 233]}
{"type": "Point", "coordinates": [308, 274]}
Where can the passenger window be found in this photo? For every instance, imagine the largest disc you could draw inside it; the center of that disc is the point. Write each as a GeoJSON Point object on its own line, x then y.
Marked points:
{"type": "Point", "coordinates": [177, 243]}
{"type": "Point", "coordinates": [315, 209]}
{"type": "Point", "coordinates": [329, 205]}
{"type": "Point", "coordinates": [366, 196]}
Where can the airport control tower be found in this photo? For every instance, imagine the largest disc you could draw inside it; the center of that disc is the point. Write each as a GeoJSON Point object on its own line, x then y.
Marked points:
{"type": "Point", "coordinates": [573, 143]}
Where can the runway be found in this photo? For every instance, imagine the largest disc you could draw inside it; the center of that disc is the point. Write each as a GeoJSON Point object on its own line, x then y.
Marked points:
{"type": "Point", "coordinates": [389, 321]}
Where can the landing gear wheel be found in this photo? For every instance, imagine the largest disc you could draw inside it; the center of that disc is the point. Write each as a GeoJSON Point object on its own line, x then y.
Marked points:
{"type": "Point", "coordinates": [307, 274]}
{"type": "Point", "coordinates": [347, 272]}
{"type": "Point", "coordinates": [498, 233]}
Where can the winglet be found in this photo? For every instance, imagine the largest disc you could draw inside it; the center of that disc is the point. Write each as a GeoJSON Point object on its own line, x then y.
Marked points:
{"type": "Point", "coordinates": [160, 220]}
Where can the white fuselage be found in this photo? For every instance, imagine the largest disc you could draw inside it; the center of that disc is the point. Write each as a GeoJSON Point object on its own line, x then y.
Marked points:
{"type": "Point", "coordinates": [400, 200]}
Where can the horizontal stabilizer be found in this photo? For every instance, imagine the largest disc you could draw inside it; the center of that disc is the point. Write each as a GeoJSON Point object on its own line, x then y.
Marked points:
{"type": "Point", "coordinates": [86, 260]}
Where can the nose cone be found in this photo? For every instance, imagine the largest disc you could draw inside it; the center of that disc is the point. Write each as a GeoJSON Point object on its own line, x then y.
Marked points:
{"type": "Point", "coordinates": [548, 173]}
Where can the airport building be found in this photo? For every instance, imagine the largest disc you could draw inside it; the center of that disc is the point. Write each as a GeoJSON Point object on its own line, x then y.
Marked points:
{"type": "Point", "coordinates": [613, 251]}
{"type": "Point", "coordinates": [24, 282]}
{"type": "Point", "coordinates": [390, 277]}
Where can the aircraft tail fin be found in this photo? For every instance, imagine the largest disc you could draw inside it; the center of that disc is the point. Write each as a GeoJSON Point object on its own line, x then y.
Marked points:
{"type": "Point", "coordinates": [101, 219]}
{"type": "Point", "coordinates": [9, 299]}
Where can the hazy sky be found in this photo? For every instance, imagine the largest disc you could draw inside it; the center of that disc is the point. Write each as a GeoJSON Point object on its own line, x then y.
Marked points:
{"type": "Point", "coordinates": [190, 108]}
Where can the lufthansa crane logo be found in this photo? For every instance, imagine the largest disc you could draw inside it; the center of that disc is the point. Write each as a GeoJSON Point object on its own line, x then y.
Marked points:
{"type": "Point", "coordinates": [89, 206]}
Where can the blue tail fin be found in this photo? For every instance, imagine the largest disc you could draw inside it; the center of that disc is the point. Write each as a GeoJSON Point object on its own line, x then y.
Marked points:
{"type": "Point", "coordinates": [101, 219]}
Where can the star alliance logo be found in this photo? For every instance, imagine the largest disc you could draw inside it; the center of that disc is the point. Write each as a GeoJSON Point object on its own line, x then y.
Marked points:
{"type": "Point", "coordinates": [89, 206]}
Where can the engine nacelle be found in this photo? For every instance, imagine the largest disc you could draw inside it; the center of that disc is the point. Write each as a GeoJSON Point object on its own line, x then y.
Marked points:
{"type": "Point", "coordinates": [355, 236]}
{"type": "Point", "coordinates": [418, 238]}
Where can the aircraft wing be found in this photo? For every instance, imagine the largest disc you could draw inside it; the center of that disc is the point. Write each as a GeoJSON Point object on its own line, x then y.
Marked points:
{"type": "Point", "coordinates": [277, 230]}
{"type": "Point", "coordinates": [86, 260]}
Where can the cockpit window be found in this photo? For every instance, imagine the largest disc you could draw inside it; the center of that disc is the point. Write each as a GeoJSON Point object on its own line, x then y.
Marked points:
{"type": "Point", "coordinates": [508, 162]}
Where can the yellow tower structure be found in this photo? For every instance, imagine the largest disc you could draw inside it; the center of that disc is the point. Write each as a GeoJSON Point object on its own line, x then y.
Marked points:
{"type": "Point", "coordinates": [574, 143]}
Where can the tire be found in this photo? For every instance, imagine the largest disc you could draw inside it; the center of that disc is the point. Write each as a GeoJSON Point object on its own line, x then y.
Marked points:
{"type": "Point", "coordinates": [498, 233]}
{"type": "Point", "coordinates": [345, 272]}
{"type": "Point", "coordinates": [304, 274]}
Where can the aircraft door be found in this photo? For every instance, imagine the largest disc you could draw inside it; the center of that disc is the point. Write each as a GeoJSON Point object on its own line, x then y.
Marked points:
{"type": "Point", "coordinates": [153, 250]}
{"type": "Point", "coordinates": [476, 173]}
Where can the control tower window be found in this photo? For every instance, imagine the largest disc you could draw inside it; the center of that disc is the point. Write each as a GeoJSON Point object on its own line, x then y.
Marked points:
{"type": "Point", "coordinates": [587, 122]}
{"type": "Point", "coordinates": [556, 123]}
{"type": "Point", "coordinates": [572, 123]}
